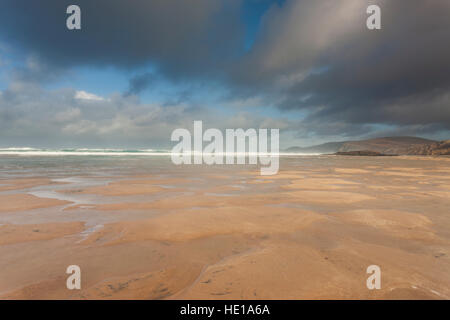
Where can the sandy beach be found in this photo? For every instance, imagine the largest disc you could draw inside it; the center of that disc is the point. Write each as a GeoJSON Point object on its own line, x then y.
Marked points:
{"type": "Point", "coordinates": [158, 231]}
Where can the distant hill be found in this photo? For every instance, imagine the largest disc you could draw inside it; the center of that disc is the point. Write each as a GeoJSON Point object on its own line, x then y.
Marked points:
{"type": "Point", "coordinates": [387, 145]}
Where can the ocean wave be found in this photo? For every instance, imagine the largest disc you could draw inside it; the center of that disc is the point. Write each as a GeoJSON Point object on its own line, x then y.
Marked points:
{"type": "Point", "coordinates": [79, 151]}
{"type": "Point", "coordinates": [28, 151]}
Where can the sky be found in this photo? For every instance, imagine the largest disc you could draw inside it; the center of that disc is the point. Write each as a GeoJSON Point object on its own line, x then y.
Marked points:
{"type": "Point", "coordinates": [139, 69]}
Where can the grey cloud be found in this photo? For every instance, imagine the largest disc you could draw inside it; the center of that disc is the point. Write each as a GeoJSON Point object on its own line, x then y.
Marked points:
{"type": "Point", "coordinates": [316, 56]}
{"type": "Point", "coordinates": [37, 117]}
{"type": "Point", "coordinates": [179, 37]}
{"type": "Point", "coordinates": [319, 57]}
{"type": "Point", "coordinates": [139, 83]}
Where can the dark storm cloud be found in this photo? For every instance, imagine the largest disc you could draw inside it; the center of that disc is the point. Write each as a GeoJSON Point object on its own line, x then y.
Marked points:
{"type": "Point", "coordinates": [316, 56]}
{"type": "Point", "coordinates": [179, 37]}
{"type": "Point", "coordinates": [325, 61]}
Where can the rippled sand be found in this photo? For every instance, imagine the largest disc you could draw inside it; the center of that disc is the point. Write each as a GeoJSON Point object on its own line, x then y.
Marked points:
{"type": "Point", "coordinates": [145, 229]}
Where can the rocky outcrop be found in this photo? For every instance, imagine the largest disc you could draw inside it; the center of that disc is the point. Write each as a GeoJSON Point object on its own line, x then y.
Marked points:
{"type": "Point", "coordinates": [441, 148]}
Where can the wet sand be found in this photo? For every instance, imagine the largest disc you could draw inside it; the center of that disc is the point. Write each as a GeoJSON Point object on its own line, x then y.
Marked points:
{"type": "Point", "coordinates": [309, 232]}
